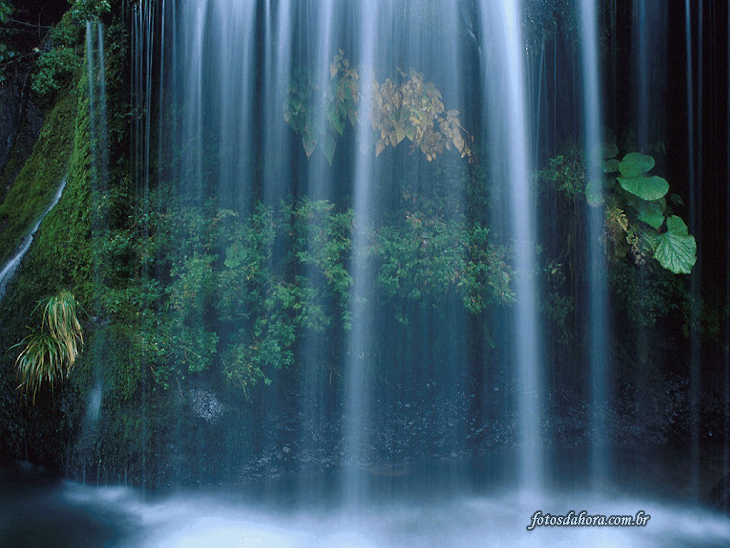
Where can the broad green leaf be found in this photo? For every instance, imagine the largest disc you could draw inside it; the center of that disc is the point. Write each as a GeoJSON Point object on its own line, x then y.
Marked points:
{"type": "Point", "coordinates": [652, 213]}
{"type": "Point", "coordinates": [337, 123]}
{"type": "Point", "coordinates": [635, 164]}
{"type": "Point", "coordinates": [676, 250]}
{"type": "Point", "coordinates": [676, 225]}
{"type": "Point", "coordinates": [646, 188]}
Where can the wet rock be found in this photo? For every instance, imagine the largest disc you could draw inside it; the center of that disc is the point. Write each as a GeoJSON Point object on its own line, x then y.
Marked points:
{"type": "Point", "coordinates": [205, 405]}
{"type": "Point", "coordinates": [720, 495]}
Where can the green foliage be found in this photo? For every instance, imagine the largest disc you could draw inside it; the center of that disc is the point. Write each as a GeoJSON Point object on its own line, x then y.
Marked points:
{"type": "Point", "coordinates": [49, 355]}
{"type": "Point", "coordinates": [428, 255]}
{"type": "Point", "coordinates": [53, 70]}
{"type": "Point", "coordinates": [6, 10]}
{"type": "Point", "coordinates": [235, 306]}
{"type": "Point", "coordinates": [566, 174]}
{"type": "Point", "coordinates": [403, 107]}
{"type": "Point", "coordinates": [634, 180]}
{"type": "Point", "coordinates": [7, 53]}
{"type": "Point", "coordinates": [61, 320]}
{"type": "Point", "coordinates": [55, 67]}
{"type": "Point", "coordinates": [39, 178]}
{"type": "Point", "coordinates": [323, 241]}
{"type": "Point", "coordinates": [638, 217]}
{"type": "Point", "coordinates": [486, 276]}
{"type": "Point", "coordinates": [675, 249]}
{"type": "Point", "coordinates": [638, 209]}
{"type": "Point", "coordinates": [650, 294]}
{"type": "Point", "coordinates": [86, 10]}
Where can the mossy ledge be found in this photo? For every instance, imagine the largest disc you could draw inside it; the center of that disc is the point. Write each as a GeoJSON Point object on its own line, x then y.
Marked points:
{"type": "Point", "coordinates": [60, 257]}
{"type": "Point", "coordinates": [36, 183]}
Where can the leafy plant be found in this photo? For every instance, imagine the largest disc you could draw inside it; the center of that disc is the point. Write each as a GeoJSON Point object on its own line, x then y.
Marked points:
{"type": "Point", "coordinates": [7, 53]}
{"type": "Point", "coordinates": [638, 216]}
{"type": "Point", "coordinates": [403, 107]}
{"type": "Point", "coordinates": [86, 10]}
{"type": "Point", "coordinates": [428, 255]}
{"type": "Point", "coordinates": [637, 209]}
{"type": "Point", "coordinates": [59, 60]}
{"type": "Point", "coordinates": [49, 355]}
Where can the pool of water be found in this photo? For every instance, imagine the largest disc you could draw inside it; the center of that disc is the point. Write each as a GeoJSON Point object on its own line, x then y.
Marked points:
{"type": "Point", "coordinates": [41, 512]}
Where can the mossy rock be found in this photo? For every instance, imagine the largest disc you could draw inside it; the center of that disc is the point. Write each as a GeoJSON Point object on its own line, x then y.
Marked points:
{"type": "Point", "coordinates": [38, 180]}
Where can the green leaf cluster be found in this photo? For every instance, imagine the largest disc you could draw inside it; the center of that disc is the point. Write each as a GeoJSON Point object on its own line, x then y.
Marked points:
{"type": "Point", "coordinates": [59, 62]}
{"type": "Point", "coordinates": [638, 216]}
{"type": "Point", "coordinates": [242, 290]}
{"type": "Point", "coordinates": [86, 10]}
{"type": "Point", "coordinates": [637, 208]}
{"type": "Point", "coordinates": [427, 255]}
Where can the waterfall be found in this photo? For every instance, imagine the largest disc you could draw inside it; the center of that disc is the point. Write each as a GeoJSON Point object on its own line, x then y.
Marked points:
{"type": "Point", "coordinates": [99, 175]}
{"type": "Point", "coordinates": [363, 347]}
{"type": "Point", "coordinates": [512, 154]}
{"type": "Point", "coordinates": [11, 266]}
{"type": "Point", "coordinates": [598, 278]}
{"type": "Point", "coordinates": [359, 344]}
{"type": "Point", "coordinates": [402, 273]}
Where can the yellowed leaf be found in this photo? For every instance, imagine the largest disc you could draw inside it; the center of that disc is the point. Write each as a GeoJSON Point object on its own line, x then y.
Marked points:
{"type": "Point", "coordinates": [400, 133]}
{"type": "Point", "coordinates": [458, 140]}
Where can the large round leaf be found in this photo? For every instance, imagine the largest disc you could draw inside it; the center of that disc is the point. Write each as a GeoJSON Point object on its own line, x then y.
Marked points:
{"type": "Point", "coordinates": [635, 164]}
{"type": "Point", "coordinates": [646, 188]}
{"type": "Point", "coordinates": [676, 250]}
{"type": "Point", "coordinates": [652, 213]}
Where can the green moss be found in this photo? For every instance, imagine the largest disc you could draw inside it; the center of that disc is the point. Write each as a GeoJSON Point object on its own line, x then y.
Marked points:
{"type": "Point", "coordinates": [60, 254]}
{"type": "Point", "coordinates": [39, 178]}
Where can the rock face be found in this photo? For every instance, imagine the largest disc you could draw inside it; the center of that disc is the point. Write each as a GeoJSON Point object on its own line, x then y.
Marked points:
{"type": "Point", "coordinates": [20, 122]}
{"type": "Point", "coordinates": [205, 405]}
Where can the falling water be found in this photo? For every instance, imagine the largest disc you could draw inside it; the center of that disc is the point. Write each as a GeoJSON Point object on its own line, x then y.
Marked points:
{"type": "Point", "coordinates": [280, 18]}
{"type": "Point", "coordinates": [503, 23]}
{"type": "Point", "coordinates": [11, 266]}
{"type": "Point", "coordinates": [726, 378]}
{"type": "Point", "coordinates": [358, 353]}
{"type": "Point", "coordinates": [694, 125]}
{"type": "Point", "coordinates": [597, 268]}
{"type": "Point", "coordinates": [99, 174]}
{"type": "Point", "coordinates": [229, 69]}
{"type": "Point", "coordinates": [650, 36]}
{"type": "Point", "coordinates": [142, 149]}
{"type": "Point", "coordinates": [319, 176]}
